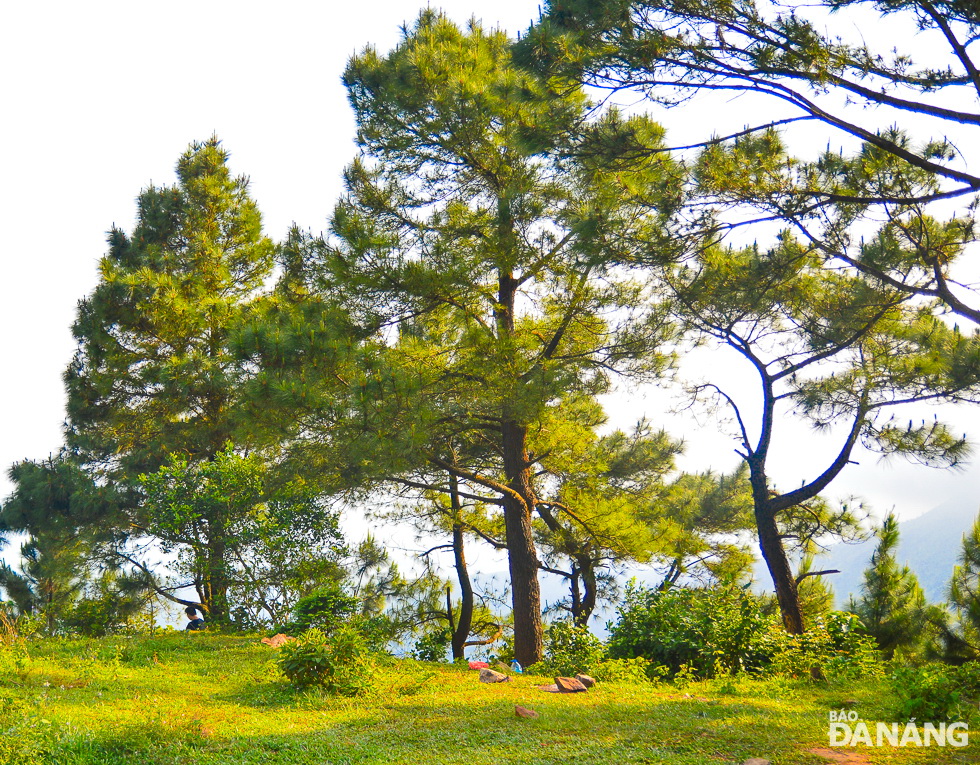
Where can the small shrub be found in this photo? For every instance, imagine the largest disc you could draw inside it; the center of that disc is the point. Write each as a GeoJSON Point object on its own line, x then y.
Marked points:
{"type": "Point", "coordinates": [379, 631]}
{"type": "Point", "coordinates": [504, 650]}
{"type": "Point", "coordinates": [106, 614]}
{"type": "Point", "coordinates": [340, 663]}
{"type": "Point", "coordinates": [708, 631]}
{"type": "Point", "coordinates": [634, 670]}
{"type": "Point", "coordinates": [15, 661]}
{"type": "Point", "coordinates": [324, 609]}
{"type": "Point", "coordinates": [937, 692]}
{"type": "Point", "coordinates": [835, 647]}
{"type": "Point", "coordinates": [432, 646]}
{"type": "Point", "coordinates": [569, 650]}
{"type": "Point", "coordinates": [16, 629]}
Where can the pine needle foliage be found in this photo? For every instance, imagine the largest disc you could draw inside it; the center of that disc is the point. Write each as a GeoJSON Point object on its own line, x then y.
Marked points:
{"type": "Point", "coordinates": [891, 605]}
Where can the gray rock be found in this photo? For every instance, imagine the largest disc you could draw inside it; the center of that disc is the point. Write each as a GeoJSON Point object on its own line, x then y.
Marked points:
{"type": "Point", "coordinates": [491, 676]}
{"type": "Point", "coordinates": [585, 680]}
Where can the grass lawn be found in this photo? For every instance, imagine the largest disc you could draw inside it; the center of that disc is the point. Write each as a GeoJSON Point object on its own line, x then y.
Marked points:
{"type": "Point", "coordinates": [209, 699]}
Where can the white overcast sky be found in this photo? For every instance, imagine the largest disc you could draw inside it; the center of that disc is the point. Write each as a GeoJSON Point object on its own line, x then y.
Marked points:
{"type": "Point", "coordinates": [100, 98]}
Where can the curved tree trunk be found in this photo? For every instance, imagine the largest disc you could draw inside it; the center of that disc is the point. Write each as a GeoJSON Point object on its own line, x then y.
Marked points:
{"type": "Point", "coordinates": [771, 545]}
{"type": "Point", "coordinates": [461, 629]}
{"type": "Point", "coordinates": [782, 575]}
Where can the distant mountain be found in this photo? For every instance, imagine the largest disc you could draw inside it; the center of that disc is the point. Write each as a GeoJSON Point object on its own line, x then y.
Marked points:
{"type": "Point", "coordinates": [930, 544]}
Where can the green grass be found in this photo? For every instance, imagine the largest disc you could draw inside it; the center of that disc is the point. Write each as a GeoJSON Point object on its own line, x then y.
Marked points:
{"type": "Point", "coordinates": [216, 699]}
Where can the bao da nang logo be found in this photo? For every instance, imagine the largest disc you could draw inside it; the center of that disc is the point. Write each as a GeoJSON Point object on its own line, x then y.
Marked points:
{"type": "Point", "coordinates": [847, 729]}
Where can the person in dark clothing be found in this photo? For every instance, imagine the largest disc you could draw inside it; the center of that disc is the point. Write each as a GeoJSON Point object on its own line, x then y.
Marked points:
{"type": "Point", "coordinates": [196, 622]}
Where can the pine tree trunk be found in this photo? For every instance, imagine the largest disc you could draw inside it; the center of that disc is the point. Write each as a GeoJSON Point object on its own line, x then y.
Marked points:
{"type": "Point", "coordinates": [590, 587]}
{"type": "Point", "coordinates": [466, 602]}
{"type": "Point", "coordinates": [521, 553]}
{"type": "Point", "coordinates": [522, 556]}
{"type": "Point", "coordinates": [780, 571]}
{"type": "Point", "coordinates": [576, 594]}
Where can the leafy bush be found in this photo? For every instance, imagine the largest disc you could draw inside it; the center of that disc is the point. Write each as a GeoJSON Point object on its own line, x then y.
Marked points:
{"type": "Point", "coordinates": [15, 629]}
{"type": "Point", "coordinates": [379, 631]}
{"type": "Point", "coordinates": [432, 646]}
{"type": "Point", "coordinates": [569, 650]}
{"type": "Point", "coordinates": [340, 663]}
{"type": "Point", "coordinates": [937, 692]}
{"type": "Point", "coordinates": [15, 662]}
{"type": "Point", "coordinates": [834, 647]}
{"type": "Point", "coordinates": [706, 630]}
{"type": "Point", "coordinates": [325, 609]}
{"type": "Point", "coordinates": [94, 617]}
{"type": "Point", "coordinates": [635, 670]}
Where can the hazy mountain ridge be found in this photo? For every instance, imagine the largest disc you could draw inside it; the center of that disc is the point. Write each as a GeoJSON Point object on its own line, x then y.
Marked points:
{"type": "Point", "coordinates": [930, 544]}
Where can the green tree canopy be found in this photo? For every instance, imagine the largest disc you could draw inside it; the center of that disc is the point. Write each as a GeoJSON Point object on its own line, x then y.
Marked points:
{"type": "Point", "coordinates": [154, 374]}
{"type": "Point", "coordinates": [473, 254]}
{"type": "Point", "coordinates": [811, 66]}
{"type": "Point", "coordinates": [235, 527]}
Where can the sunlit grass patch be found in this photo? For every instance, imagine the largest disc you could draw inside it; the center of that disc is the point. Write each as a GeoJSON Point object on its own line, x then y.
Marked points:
{"type": "Point", "coordinates": [220, 700]}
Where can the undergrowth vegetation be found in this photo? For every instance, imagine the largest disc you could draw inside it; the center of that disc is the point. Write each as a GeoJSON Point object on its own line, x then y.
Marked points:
{"type": "Point", "coordinates": [339, 663]}
{"type": "Point", "coordinates": [705, 633]}
{"type": "Point", "coordinates": [221, 699]}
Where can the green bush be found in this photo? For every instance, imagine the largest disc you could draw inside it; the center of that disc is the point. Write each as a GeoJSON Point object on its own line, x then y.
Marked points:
{"type": "Point", "coordinates": [503, 649]}
{"type": "Point", "coordinates": [325, 609]}
{"type": "Point", "coordinates": [708, 631]}
{"type": "Point", "coordinates": [570, 650]}
{"type": "Point", "coordinates": [340, 663]}
{"type": "Point", "coordinates": [725, 630]}
{"type": "Point", "coordinates": [937, 692]}
{"type": "Point", "coordinates": [432, 646]}
{"type": "Point", "coordinates": [94, 617]}
{"type": "Point", "coordinates": [635, 670]}
{"type": "Point", "coordinates": [833, 647]}
{"type": "Point", "coordinates": [379, 631]}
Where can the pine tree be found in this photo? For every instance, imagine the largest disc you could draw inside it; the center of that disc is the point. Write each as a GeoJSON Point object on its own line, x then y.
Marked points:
{"type": "Point", "coordinates": [892, 603]}
{"type": "Point", "coordinates": [963, 635]}
{"type": "Point", "coordinates": [154, 374]}
{"type": "Point", "coordinates": [472, 253]}
{"type": "Point", "coordinates": [828, 348]}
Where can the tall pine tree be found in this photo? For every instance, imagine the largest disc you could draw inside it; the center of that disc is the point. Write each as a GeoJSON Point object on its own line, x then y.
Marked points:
{"type": "Point", "coordinates": [473, 251]}
{"type": "Point", "coordinates": [154, 374]}
{"type": "Point", "coordinates": [962, 633]}
{"type": "Point", "coordinates": [892, 603]}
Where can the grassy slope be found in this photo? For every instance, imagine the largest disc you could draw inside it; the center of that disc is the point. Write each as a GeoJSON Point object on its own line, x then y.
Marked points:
{"type": "Point", "coordinates": [213, 699]}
